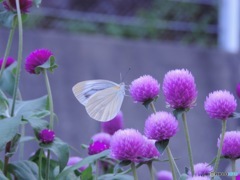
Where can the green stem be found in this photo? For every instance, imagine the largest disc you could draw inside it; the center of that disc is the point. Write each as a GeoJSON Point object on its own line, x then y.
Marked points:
{"type": "Point", "coordinates": [233, 161]}
{"type": "Point", "coordinates": [15, 90]}
{"type": "Point", "coordinates": [170, 157]}
{"type": "Point", "coordinates": [153, 107]}
{"type": "Point", "coordinates": [224, 126]}
{"type": "Point", "coordinates": [134, 171]}
{"type": "Point", "coordinates": [97, 170]}
{"type": "Point", "coordinates": [150, 167]}
{"type": "Point", "coordinates": [21, 146]}
{"type": "Point", "coordinates": [48, 164]}
{"type": "Point", "coordinates": [40, 164]}
{"type": "Point", "coordinates": [188, 142]}
{"type": "Point", "coordinates": [9, 43]}
{"type": "Point", "coordinates": [50, 99]}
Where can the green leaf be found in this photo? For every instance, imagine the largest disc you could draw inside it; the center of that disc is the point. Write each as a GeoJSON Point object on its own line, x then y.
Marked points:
{"type": "Point", "coordinates": [1, 1]}
{"type": "Point", "coordinates": [183, 177]}
{"type": "Point", "coordinates": [23, 170]}
{"type": "Point", "coordinates": [161, 145]}
{"type": "Point", "coordinates": [87, 173]}
{"type": "Point", "coordinates": [84, 146]}
{"type": "Point", "coordinates": [37, 124]}
{"type": "Point", "coordinates": [116, 177]}
{"type": "Point", "coordinates": [48, 65]}
{"type": "Point", "coordinates": [120, 165]}
{"type": "Point", "coordinates": [2, 177]}
{"type": "Point", "coordinates": [8, 129]}
{"type": "Point", "coordinates": [14, 145]}
{"type": "Point", "coordinates": [86, 161]}
{"type": "Point", "coordinates": [60, 149]}
{"type": "Point", "coordinates": [4, 106]}
{"type": "Point", "coordinates": [7, 18]}
{"type": "Point", "coordinates": [235, 115]}
{"type": "Point", "coordinates": [37, 3]}
{"type": "Point", "coordinates": [8, 78]}
{"type": "Point", "coordinates": [26, 138]}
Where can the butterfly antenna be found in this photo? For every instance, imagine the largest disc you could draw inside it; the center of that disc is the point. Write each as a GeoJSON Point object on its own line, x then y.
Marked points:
{"type": "Point", "coordinates": [124, 75]}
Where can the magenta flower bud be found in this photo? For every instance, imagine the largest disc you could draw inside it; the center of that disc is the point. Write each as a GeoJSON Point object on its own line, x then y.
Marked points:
{"type": "Point", "coordinates": [37, 58]}
{"type": "Point", "coordinates": [199, 178]}
{"type": "Point", "coordinates": [25, 5]}
{"type": "Point", "coordinates": [46, 136]}
{"type": "Point", "coordinates": [9, 61]}
{"type": "Point", "coordinates": [113, 125]}
{"type": "Point", "coordinates": [164, 175]}
{"type": "Point", "coordinates": [144, 88]}
{"type": "Point", "coordinates": [179, 89]}
{"type": "Point", "coordinates": [150, 151]}
{"type": "Point", "coordinates": [161, 126]}
{"type": "Point", "coordinates": [202, 169]}
{"type": "Point", "coordinates": [74, 160]}
{"type": "Point", "coordinates": [127, 144]}
{"type": "Point", "coordinates": [231, 144]}
{"type": "Point", "coordinates": [238, 90]}
{"type": "Point", "coordinates": [101, 142]}
{"type": "Point", "coordinates": [220, 104]}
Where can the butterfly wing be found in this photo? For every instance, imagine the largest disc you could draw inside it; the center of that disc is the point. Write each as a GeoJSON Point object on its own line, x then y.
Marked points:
{"type": "Point", "coordinates": [86, 89]}
{"type": "Point", "coordinates": [104, 105]}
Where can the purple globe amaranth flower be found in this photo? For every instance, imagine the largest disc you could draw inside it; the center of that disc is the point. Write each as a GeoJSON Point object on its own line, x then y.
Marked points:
{"type": "Point", "coordinates": [46, 136]}
{"type": "Point", "coordinates": [74, 160]}
{"type": "Point", "coordinates": [37, 58]}
{"type": "Point", "coordinates": [127, 144]}
{"type": "Point", "coordinates": [160, 126]}
{"type": "Point", "coordinates": [100, 142]}
{"type": "Point", "coordinates": [231, 144]}
{"type": "Point", "coordinates": [25, 5]}
{"type": "Point", "coordinates": [113, 125]}
{"type": "Point", "coordinates": [202, 169]}
{"type": "Point", "coordinates": [164, 175]}
{"type": "Point", "coordinates": [9, 61]}
{"type": "Point", "coordinates": [199, 178]}
{"type": "Point", "coordinates": [238, 90]}
{"type": "Point", "coordinates": [179, 89]}
{"type": "Point", "coordinates": [150, 151]}
{"type": "Point", "coordinates": [220, 104]}
{"type": "Point", "coordinates": [144, 88]}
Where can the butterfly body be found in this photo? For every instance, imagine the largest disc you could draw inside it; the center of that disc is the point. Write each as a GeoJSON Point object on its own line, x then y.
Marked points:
{"type": "Point", "coordinates": [101, 98]}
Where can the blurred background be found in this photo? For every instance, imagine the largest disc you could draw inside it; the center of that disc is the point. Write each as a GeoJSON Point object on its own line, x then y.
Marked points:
{"type": "Point", "coordinates": [101, 39]}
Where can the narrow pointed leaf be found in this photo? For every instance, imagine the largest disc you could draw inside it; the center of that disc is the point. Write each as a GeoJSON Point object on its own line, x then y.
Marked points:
{"type": "Point", "coordinates": [161, 145]}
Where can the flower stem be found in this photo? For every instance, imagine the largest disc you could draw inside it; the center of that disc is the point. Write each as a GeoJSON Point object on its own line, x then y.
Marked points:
{"type": "Point", "coordinates": [15, 90]}
{"type": "Point", "coordinates": [170, 157]}
{"type": "Point", "coordinates": [9, 43]}
{"type": "Point", "coordinates": [188, 141]}
{"type": "Point", "coordinates": [153, 107]}
{"type": "Point", "coordinates": [40, 164]}
{"type": "Point", "coordinates": [134, 171]}
{"type": "Point", "coordinates": [97, 169]}
{"type": "Point", "coordinates": [233, 168]}
{"type": "Point", "coordinates": [224, 126]}
{"type": "Point", "coordinates": [150, 167]}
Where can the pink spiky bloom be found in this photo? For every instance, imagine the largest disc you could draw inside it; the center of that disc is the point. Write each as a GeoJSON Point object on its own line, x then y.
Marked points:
{"type": "Point", "coordinates": [144, 88]}
{"type": "Point", "coordinates": [25, 5]}
{"type": "Point", "coordinates": [231, 144]}
{"type": "Point", "coordinates": [202, 169]}
{"type": "Point", "coordinates": [164, 175]}
{"type": "Point", "coordinates": [74, 160]}
{"type": "Point", "coordinates": [9, 61]}
{"type": "Point", "coordinates": [100, 142]}
{"type": "Point", "coordinates": [127, 144]}
{"type": "Point", "coordinates": [179, 89]}
{"type": "Point", "coordinates": [37, 58]}
{"type": "Point", "coordinates": [220, 104]}
{"type": "Point", "coordinates": [160, 126]}
{"type": "Point", "coordinates": [150, 151]}
{"type": "Point", "coordinates": [47, 136]}
{"type": "Point", "coordinates": [113, 125]}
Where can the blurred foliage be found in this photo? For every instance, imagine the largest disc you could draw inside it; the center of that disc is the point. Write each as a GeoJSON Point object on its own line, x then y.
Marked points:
{"type": "Point", "coordinates": [159, 12]}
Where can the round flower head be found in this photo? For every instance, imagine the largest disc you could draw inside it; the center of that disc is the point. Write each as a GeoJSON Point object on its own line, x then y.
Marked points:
{"type": "Point", "coordinates": [220, 104]}
{"type": "Point", "coordinates": [231, 144]}
{"type": "Point", "coordinates": [160, 126]}
{"type": "Point", "coordinates": [199, 178]}
{"type": "Point", "coordinates": [150, 151]}
{"type": "Point", "coordinates": [25, 5]}
{"type": "Point", "coordinates": [8, 62]}
{"type": "Point", "coordinates": [127, 144]}
{"type": "Point", "coordinates": [238, 90]}
{"type": "Point", "coordinates": [164, 175]}
{"type": "Point", "coordinates": [202, 169]}
{"type": "Point", "coordinates": [74, 160]}
{"type": "Point", "coordinates": [37, 58]}
{"type": "Point", "coordinates": [144, 88]}
{"type": "Point", "coordinates": [46, 136]}
{"type": "Point", "coordinates": [179, 89]}
{"type": "Point", "coordinates": [113, 125]}
{"type": "Point", "coordinates": [101, 142]}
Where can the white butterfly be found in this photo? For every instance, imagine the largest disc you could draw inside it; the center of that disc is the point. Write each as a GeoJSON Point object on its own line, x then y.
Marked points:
{"type": "Point", "coordinates": [101, 98]}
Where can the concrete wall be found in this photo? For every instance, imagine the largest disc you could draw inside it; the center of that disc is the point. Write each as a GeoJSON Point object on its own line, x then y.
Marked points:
{"type": "Point", "coordinates": [98, 57]}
